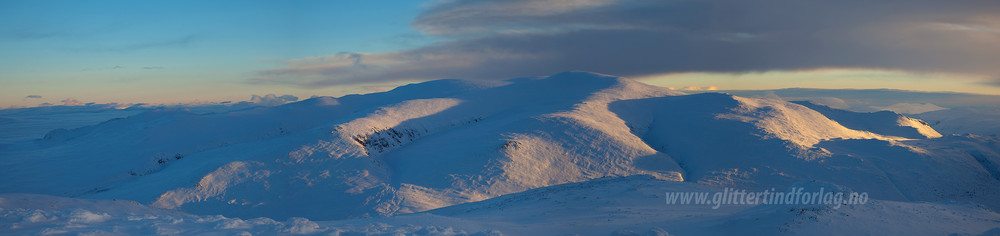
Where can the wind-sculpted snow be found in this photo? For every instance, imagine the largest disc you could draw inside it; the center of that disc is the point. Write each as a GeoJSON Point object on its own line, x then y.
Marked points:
{"type": "Point", "coordinates": [632, 205]}
{"type": "Point", "coordinates": [442, 143]}
{"type": "Point", "coordinates": [212, 185]}
{"type": "Point", "coordinates": [28, 214]}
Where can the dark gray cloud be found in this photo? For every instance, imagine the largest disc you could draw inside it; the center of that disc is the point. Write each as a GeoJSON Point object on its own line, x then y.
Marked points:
{"type": "Point", "coordinates": [992, 82]}
{"type": "Point", "coordinates": [503, 39]}
{"type": "Point", "coordinates": [33, 96]}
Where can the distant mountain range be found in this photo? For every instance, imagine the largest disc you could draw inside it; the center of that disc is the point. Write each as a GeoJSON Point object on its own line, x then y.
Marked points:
{"type": "Point", "coordinates": [469, 150]}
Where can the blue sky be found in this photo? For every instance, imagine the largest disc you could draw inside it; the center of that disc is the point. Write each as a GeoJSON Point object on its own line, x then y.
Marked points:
{"type": "Point", "coordinates": [86, 49]}
{"type": "Point", "coordinates": [212, 51]}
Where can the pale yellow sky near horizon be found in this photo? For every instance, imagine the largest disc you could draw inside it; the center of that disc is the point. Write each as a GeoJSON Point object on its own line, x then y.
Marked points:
{"type": "Point", "coordinates": [180, 91]}
{"type": "Point", "coordinates": [827, 79]}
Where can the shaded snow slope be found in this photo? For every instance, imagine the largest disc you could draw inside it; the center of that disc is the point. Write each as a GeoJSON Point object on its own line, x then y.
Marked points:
{"type": "Point", "coordinates": [145, 143]}
{"type": "Point", "coordinates": [441, 143]}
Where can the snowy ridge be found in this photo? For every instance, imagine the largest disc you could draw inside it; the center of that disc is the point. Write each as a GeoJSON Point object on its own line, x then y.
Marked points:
{"type": "Point", "coordinates": [380, 179]}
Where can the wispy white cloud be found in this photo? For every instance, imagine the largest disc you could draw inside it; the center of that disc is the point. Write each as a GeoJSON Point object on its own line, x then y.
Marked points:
{"type": "Point", "coordinates": [830, 102]}
{"type": "Point", "coordinates": [71, 102]}
{"type": "Point", "coordinates": [269, 100]}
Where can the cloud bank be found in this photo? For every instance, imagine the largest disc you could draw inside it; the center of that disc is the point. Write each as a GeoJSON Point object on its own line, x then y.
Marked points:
{"type": "Point", "coordinates": [270, 100]}
{"type": "Point", "coordinates": [492, 39]}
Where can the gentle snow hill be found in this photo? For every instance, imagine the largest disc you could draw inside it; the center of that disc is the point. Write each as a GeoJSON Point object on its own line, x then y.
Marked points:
{"type": "Point", "coordinates": [965, 120]}
{"type": "Point", "coordinates": [441, 143]}
{"type": "Point", "coordinates": [871, 100]}
{"type": "Point", "coordinates": [883, 122]}
{"type": "Point", "coordinates": [23, 124]}
{"type": "Point", "coordinates": [729, 141]}
{"type": "Point", "coordinates": [144, 143]}
{"type": "Point", "coordinates": [948, 113]}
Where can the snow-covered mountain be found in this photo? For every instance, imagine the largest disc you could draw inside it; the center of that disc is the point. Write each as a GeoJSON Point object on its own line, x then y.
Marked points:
{"type": "Point", "coordinates": [457, 147]}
